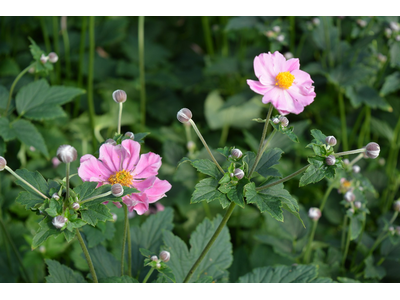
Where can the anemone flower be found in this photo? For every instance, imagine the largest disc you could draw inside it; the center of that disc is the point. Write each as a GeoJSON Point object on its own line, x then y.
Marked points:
{"type": "Point", "coordinates": [282, 83]}
{"type": "Point", "coordinates": [122, 164]}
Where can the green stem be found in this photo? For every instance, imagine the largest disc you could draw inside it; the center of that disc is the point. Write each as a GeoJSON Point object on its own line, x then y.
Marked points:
{"type": "Point", "coordinates": [87, 256]}
{"type": "Point", "coordinates": [224, 135]}
{"type": "Point", "coordinates": [326, 195]}
{"type": "Point", "coordinates": [129, 249]}
{"type": "Point", "coordinates": [119, 117]}
{"type": "Point", "coordinates": [90, 80]}
{"type": "Point", "coordinates": [205, 145]}
{"type": "Point", "coordinates": [211, 242]}
{"type": "Point", "coordinates": [356, 126]}
{"type": "Point", "coordinates": [148, 275]}
{"type": "Point", "coordinates": [45, 34]}
{"type": "Point", "coordinates": [24, 181]}
{"type": "Point", "coordinates": [283, 179]}
{"type": "Point", "coordinates": [66, 201]}
{"type": "Point", "coordinates": [263, 135]}
{"type": "Point", "coordinates": [8, 237]}
{"type": "Point", "coordinates": [361, 150]}
{"type": "Point", "coordinates": [66, 52]}
{"type": "Point", "coordinates": [343, 232]}
{"type": "Point", "coordinates": [124, 238]}
{"type": "Point", "coordinates": [207, 35]}
{"type": "Point", "coordinates": [346, 248]}
{"type": "Point", "coordinates": [14, 84]}
{"type": "Point", "coordinates": [96, 197]}
{"type": "Point", "coordinates": [80, 66]}
{"type": "Point", "coordinates": [343, 120]}
{"type": "Point", "coordinates": [142, 72]}
{"type": "Point", "coordinates": [358, 157]}
{"type": "Point", "coordinates": [56, 48]}
{"type": "Point", "coordinates": [225, 44]}
{"type": "Point", "coordinates": [310, 240]}
{"type": "Point", "coordinates": [292, 30]}
{"type": "Point", "coordinates": [268, 140]}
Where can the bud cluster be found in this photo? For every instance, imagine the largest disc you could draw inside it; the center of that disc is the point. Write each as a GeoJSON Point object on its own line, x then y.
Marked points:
{"type": "Point", "coordinates": [59, 221]}
{"type": "Point", "coordinates": [51, 57]}
{"type": "Point", "coordinates": [281, 120]}
{"type": "Point", "coordinates": [349, 196]}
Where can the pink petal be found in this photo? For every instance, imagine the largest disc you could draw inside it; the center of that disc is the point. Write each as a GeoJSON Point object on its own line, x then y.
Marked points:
{"type": "Point", "coordinates": [132, 150]}
{"type": "Point", "coordinates": [301, 77]}
{"type": "Point", "coordinates": [138, 202]}
{"type": "Point", "coordinates": [147, 166]}
{"type": "Point", "coordinates": [263, 65]}
{"type": "Point", "coordinates": [303, 95]}
{"type": "Point", "coordinates": [286, 104]}
{"type": "Point", "coordinates": [292, 65]}
{"type": "Point", "coordinates": [279, 62]}
{"type": "Point", "coordinates": [93, 170]}
{"type": "Point", "coordinates": [112, 156]}
{"type": "Point", "coordinates": [258, 87]}
{"type": "Point", "coordinates": [158, 190]}
{"type": "Point", "coordinates": [117, 204]}
{"type": "Point", "coordinates": [144, 185]}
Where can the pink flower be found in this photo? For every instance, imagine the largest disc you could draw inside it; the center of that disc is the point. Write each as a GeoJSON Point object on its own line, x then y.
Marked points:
{"type": "Point", "coordinates": [122, 164]}
{"type": "Point", "coordinates": [282, 83]}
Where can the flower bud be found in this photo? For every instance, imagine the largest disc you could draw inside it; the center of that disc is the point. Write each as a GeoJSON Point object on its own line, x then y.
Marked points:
{"type": "Point", "coordinates": [373, 150]}
{"type": "Point", "coordinates": [276, 121]}
{"type": "Point", "coordinates": [351, 210]}
{"type": "Point", "coordinates": [117, 190]}
{"type": "Point", "coordinates": [236, 153]}
{"type": "Point", "coordinates": [231, 175]}
{"type": "Point", "coordinates": [66, 153]}
{"type": "Point", "coordinates": [190, 145]}
{"type": "Point", "coordinates": [349, 196]}
{"type": "Point", "coordinates": [53, 57]}
{"type": "Point", "coordinates": [280, 38]}
{"type": "Point", "coordinates": [356, 169]}
{"type": "Point", "coordinates": [165, 256]}
{"type": "Point", "coordinates": [276, 29]}
{"type": "Point", "coordinates": [75, 206]}
{"type": "Point", "coordinates": [59, 221]}
{"type": "Point", "coordinates": [330, 160]}
{"type": "Point", "coordinates": [3, 163]}
{"type": "Point", "coordinates": [239, 174]}
{"type": "Point", "coordinates": [396, 205]}
{"type": "Point", "coordinates": [184, 115]}
{"type": "Point", "coordinates": [115, 217]}
{"type": "Point", "coordinates": [55, 196]}
{"type": "Point", "coordinates": [314, 213]}
{"type": "Point", "coordinates": [119, 96]}
{"type": "Point", "coordinates": [154, 258]}
{"type": "Point", "coordinates": [357, 204]}
{"type": "Point", "coordinates": [284, 121]}
{"type": "Point", "coordinates": [111, 142]}
{"type": "Point", "coordinates": [130, 135]}
{"type": "Point", "coordinates": [331, 140]}
{"type": "Point", "coordinates": [158, 265]}
{"type": "Point", "coordinates": [346, 161]}
{"type": "Point", "coordinates": [43, 59]}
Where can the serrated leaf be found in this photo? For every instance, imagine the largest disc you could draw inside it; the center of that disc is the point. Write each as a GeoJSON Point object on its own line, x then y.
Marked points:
{"type": "Point", "coordinates": [224, 151]}
{"type": "Point", "coordinates": [204, 166]}
{"type": "Point", "coordinates": [96, 213]}
{"type": "Point", "coordinates": [45, 230]}
{"type": "Point", "coordinates": [146, 253]}
{"type": "Point", "coordinates": [269, 158]}
{"type": "Point", "coordinates": [216, 261]}
{"type": "Point", "coordinates": [59, 273]}
{"type": "Point", "coordinates": [105, 264]}
{"type": "Point", "coordinates": [35, 179]}
{"type": "Point", "coordinates": [45, 112]}
{"type": "Point", "coordinates": [318, 170]}
{"type": "Point", "coordinates": [319, 137]}
{"type": "Point", "coordinates": [288, 131]}
{"type": "Point", "coordinates": [391, 84]}
{"type": "Point", "coordinates": [95, 236]}
{"type": "Point", "coordinates": [263, 201]}
{"type": "Point", "coordinates": [29, 135]}
{"type": "Point", "coordinates": [281, 274]}
{"type": "Point", "coordinates": [356, 222]}
{"type": "Point", "coordinates": [29, 200]}
{"type": "Point", "coordinates": [69, 235]}
{"type": "Point", "coordinates": [55, 208]}
{"type": "Point", "coordinates": [115, 279]}
{"type": "Point", "coordinates": [372, 271]}
{"type": "Point", "coordinates": [206, 190]}
{"type": "Point", "coordinates": [167, 272]}
{"type": "Point", "coordinates": [368, 96]}
{"type": "Point", "coordinates": [6, 131]}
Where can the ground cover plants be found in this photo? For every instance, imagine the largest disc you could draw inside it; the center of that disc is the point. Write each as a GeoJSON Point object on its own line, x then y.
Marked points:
{"type": "Point", "coordinates": [199, 149]}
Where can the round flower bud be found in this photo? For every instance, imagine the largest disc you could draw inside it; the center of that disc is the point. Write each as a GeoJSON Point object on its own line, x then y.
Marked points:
{"type": "Point", "coordinates": [165, 256]}
{"type": "Point", "coordinates": [357, 204]}
{"type": "Point", "coordinates": [314, 213]}
{"type": "Point", "coordinates": [236, 153]}
{"type": "Point", "coordinates": [55, 196]}
{"type": "Point", "coordinates": [190, 145]}
{"type": "Point", "coordinates": [119, 96]}
{"type": "Point", "coordinates": [349, 196]}
{"type": "Point", "coordinates": [130, 135]}
{"type": "Point", "coordinates": [184, 115]}
{"type": "Point", "coordinates": [43, 59]}
{"type": "Point", "coordinates": [396, 205]}
{"type": "Point", "coordinates": [3, 163]}
{"type": "Point", "coordinates": [154, 258]}
{"type": "Point", "coordinates": [284, 121]}
{"type": "Point", "coordinates": [372, 150]}
{"type": "Point", "coordinates": [117, 190]}
{"type": "Point", "coordinates": [66, 153]}
{"type": "Point", "coordinates": [330, 160]}
{"type": "Point", "coordinates": [276, 121]}
{"type": "Point", "coordinates": [115, 217]}
{"type": "Point", "coordinates": [111, 142]}
{"type": "Point", "coordinates": [75, 206]}
{"type": "Point", "coordinates": [53, 57]}
{"type": "Point", "coordinates": [331, 140]}
{"type": "Point", "coordinates": [356, 169]}
{"type": "Point", "coordinates": [346, 161]}
{"type": "Point", "coordinates": [239, 174]}
{"type": "Point", "coordinates": [59, 221]}
{"type": "Point", "coordinates": [158, 265]}
{"type": "Point", "coordinates": [231, 175]}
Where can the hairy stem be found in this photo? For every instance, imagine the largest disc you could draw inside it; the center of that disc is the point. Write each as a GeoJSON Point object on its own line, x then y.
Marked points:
{"type": "Point", "coordinates": [124, 238]}
{"type": "Point", "coordinates": [119, 117]}
{"type": "Point", "coordinates": [148, 275]}
{"type": "Point", "coordinates": [24, 181]}
{"type": "Point", "coordinates": [87, 256]}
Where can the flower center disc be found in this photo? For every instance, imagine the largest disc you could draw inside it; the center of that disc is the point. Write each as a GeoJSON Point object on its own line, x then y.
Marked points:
{"type": "Point", "coordinates": [122, 177]}
{"type": "Point", "coordinates": [284, 80]}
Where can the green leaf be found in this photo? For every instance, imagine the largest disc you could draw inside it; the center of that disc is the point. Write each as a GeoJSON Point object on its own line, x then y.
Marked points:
{"type": "Point", "coordinates": [281, 274]}
{"type": "Point", "coordinates": [395, 55]}
{"type": "Point", "coordinates": [372, 271]}
{"type": "Point", "coordinates": [216, 261]}
{"type": "Point", "coordinates": [97, 235]}
{"type": "Point", "coordinates": [204, 166]}
{"type": "Point", "coordinates": [288, 131]}
{"type": "Point", "coordinates": [319, 137]}
{"type": "Point", "coordinates": [45, 231]}
{"type": "Point", "coordinates": [391, 84]}
{"type": "Point", "coordinates": [368, 96]}
{"type": "Point", "coordinates": [269, 158]}
{"type": "Point", "coordinates": [96, 213]}
{"type": "Point", "coordinates": [356, 225]}
{"type": "Point", "coordinates": [59, 273]}
{"type": "Point", "coordinates": [27, 133]}
{"type": "Point", "coordinates": [167, 272]}
{"type": "Point", "coordinates": [234, 192]}
{"type": "Point", "coordinates": [29, 200]}
{"type": "Point", "coordinates": [55, 208]}
{"type": "Point", "coordinates": [319, 170]}
{"type": "Point", "coordinates": [6, 131]}
{"type": "Point", "coordinates": [35, 179]}
{"type": "Point", "coordinates": [115, 279]}
{"type": "Point", "coordinates": [104, 262]}
{"type": "Point", "coordinates": [146, 253]}
{"type": "Point", "coordinates": [206, 190]}
{"type": "Point", "coordinates": [264, 202]}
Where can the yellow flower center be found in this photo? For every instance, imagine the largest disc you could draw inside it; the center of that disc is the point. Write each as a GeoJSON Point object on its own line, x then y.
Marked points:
{"type": "Point", "coordinates": [122, 177]}
{"type": "Point", "coordinates": [284, 80]}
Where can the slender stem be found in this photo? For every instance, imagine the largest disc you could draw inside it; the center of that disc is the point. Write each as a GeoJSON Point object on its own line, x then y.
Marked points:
{"type": "Point", "coordinates": [129, 249]}
{"type": "Point", "coordinates": [45, 34]}
{"type": "Point", "coordinates": [268, 140]}
{"type": "Point", "coordinates": [224, 135]}
{"type": "Point", "coordinates": [343, 232]}
{"type": "Point", "coordinates": [24, 181]}
{"type": "Point", "coordinates": [346, 248]}
{"type": "Point", "coordinates": [87, 256]}
{"type": "Point", "coordinates": [66, 201]}
{"type": "Point", "coordinates": [283, 179]}
{"type": "Point", "coordinates": [353, 261]}
{"type": "Point", "coordinates": [90, 79]}
{"type": "Point", "coordinates": [148, 275]}
{"type": "Point", "coordinates": [225, 44]}
{"type": "Point", "coordinates": [56, 48]}
{"type": "Point", "coordinates": [361, 150]}
{"type": "Point", "coordinates": [292, 29]}
{"type": "Point", "coordinates": [124, 238]}
{"type": "Point", "coordinates": [396, 213]}
{"type": "Point", "coordinates": [212, 240]}
{"type": "Point", "coordinates": [310, 240]}
{"type": "Point", "coordinates": [326, 195]}
{"type": "Point", "coordinates": [66, 49]}
{"type": "Point", "coordinates": [142, 72]}
{"type": "Point", "coordinates": [119, 117]}
{"type": "Point", "coordinates": [14, 84]}
{"type": "Point", "coordinates": [356, 127]}
{"type": "Point", "coordinates": [358, 157]}
{"type": "Point", "coordinates": [207, 35]}
{"type": "Point", "coordinates": [263, 135]}
{"type": "Point", "coordinates": [8, 237]}
{"type": "Point", "coordinates": [96, 197]}
{"type": "Point", "coordinates": [343, 120]}
{"type": "Point", "coordinates": [80, 66]}
{"type": "Point", "coordinates": [205, 145]}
